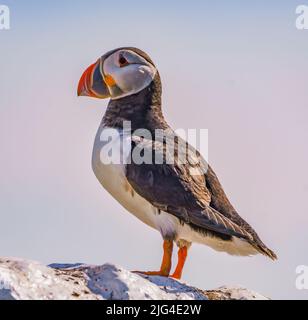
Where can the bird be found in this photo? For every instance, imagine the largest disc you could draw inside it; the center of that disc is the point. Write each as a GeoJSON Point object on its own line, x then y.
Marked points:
{"type": "Point", "coordinates": [183, 200]}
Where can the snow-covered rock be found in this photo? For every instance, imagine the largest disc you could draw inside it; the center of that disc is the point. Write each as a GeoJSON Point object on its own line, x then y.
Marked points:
{"type": "Point", "coordinates": [23, 279]}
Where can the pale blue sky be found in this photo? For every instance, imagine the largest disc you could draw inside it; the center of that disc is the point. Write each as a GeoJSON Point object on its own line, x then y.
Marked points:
{"type": "Point", "coordinates": [239, 70]}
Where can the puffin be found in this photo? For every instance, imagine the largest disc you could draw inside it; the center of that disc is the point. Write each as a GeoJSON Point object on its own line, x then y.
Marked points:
{"type": "Point", "coordinates": [181, 197]}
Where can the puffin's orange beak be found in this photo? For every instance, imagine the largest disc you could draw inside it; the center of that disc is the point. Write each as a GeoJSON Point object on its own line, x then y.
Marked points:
{"type": "Point", "coordinates": [92, 84]}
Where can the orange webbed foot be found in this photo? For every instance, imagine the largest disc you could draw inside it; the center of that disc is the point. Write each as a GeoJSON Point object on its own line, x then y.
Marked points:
{"type": "Point", "coordinates": [166, 263]}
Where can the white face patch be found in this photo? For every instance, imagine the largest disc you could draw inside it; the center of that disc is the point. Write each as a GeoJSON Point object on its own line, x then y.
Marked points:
{"type": "Point", "coordinates": [131, 78]}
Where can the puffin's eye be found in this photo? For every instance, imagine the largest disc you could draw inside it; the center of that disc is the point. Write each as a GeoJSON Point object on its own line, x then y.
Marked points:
{"type": "Point", "coordinates": [122, 61]}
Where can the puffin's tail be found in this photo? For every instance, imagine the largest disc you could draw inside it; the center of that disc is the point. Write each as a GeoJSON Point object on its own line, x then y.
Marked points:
{"type": "Point", "coordinates": [263, 249]}
{"type": "Point", "coordinates": [269, 253]}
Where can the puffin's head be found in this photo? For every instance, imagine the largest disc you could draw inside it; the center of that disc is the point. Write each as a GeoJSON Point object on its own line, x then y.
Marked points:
{"type": "Point", "coordinates": [117, 74]}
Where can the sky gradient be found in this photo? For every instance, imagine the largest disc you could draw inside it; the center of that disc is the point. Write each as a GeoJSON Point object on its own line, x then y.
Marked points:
{"type": "Point", "coordinates": [238, 70]}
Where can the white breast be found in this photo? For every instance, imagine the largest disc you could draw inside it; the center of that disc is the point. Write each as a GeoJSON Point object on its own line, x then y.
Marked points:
{"type": "Point", "coordinates": [112, 176]}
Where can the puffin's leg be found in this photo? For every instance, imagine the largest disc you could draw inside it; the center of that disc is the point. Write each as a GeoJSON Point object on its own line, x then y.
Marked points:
{"type": "Point", "coordinates": [166, 262]}
{"type": "Point", "coordinates": [182, 254]}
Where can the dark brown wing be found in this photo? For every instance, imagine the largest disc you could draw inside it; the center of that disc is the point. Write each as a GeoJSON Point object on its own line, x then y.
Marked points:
{"type": "Point", "coordinates": [178, 187]}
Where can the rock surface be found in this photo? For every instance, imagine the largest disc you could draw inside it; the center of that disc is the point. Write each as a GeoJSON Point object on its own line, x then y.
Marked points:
{"type": "Point", "coordinates": [23, 280]}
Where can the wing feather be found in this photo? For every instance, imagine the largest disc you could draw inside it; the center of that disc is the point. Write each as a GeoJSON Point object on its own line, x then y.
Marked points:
{"type": "Point", "coordinates": [174, 189]}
